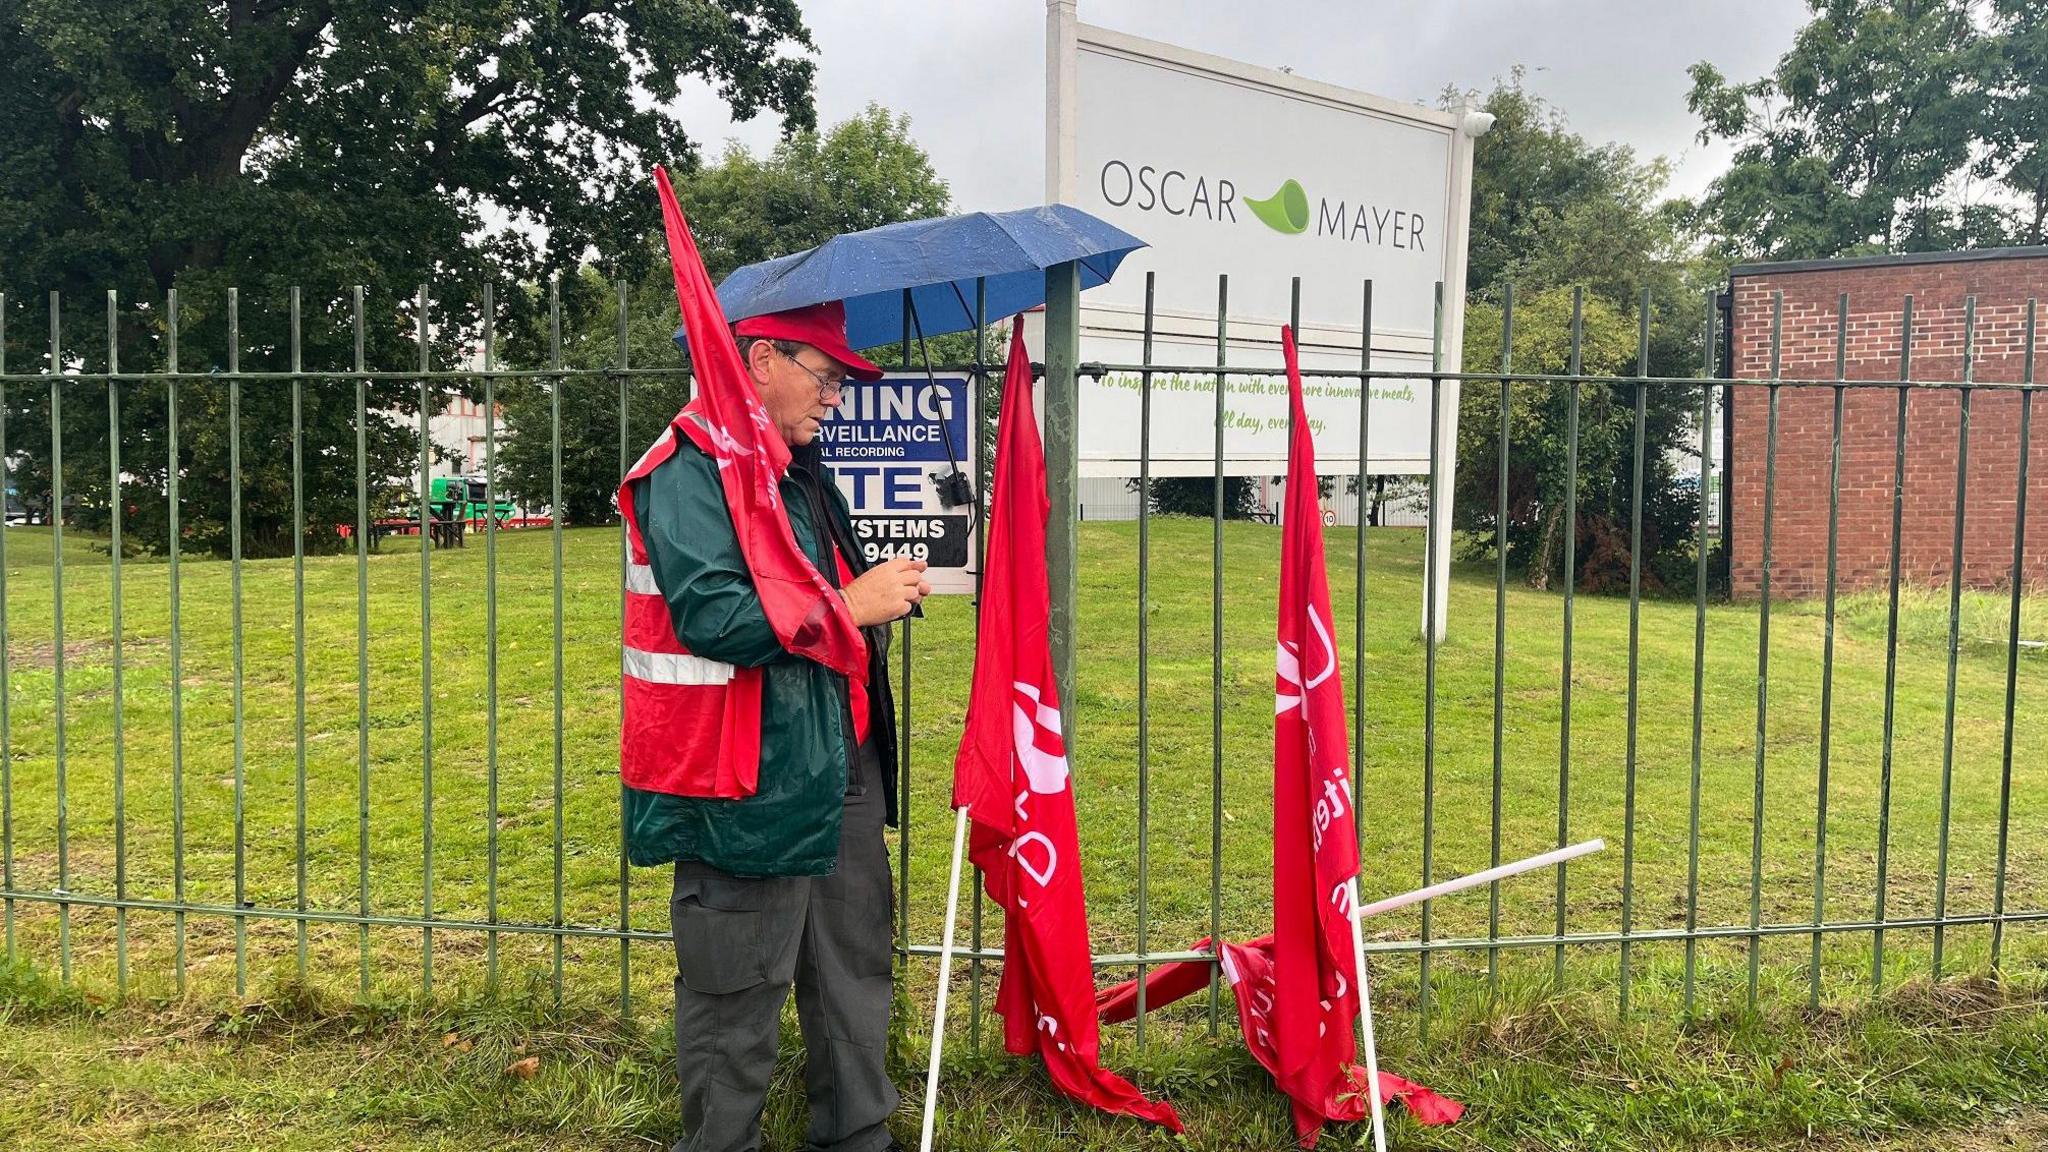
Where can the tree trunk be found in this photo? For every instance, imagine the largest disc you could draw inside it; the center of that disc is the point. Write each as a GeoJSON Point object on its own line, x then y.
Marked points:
{"type": "Point", "coordinates": [1546, 556]}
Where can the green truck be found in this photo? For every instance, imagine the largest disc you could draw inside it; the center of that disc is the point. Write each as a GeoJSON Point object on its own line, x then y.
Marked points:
{"type": "Point", "coordinates": [463, 498]}
{"type": "Point", "coordinates": [456, 505]}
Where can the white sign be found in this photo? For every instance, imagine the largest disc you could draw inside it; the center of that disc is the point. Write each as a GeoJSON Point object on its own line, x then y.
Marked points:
{"type": "Point", "coordinates": [1224, 168]}
{"type": "Point", "coordinates": [1254, 411]}
{"type": "Point", "coordinates": [888, 442]}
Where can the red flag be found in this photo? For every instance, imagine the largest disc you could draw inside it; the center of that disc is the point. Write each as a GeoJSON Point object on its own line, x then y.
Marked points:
{"type": "Point", "coordinates": [1296, 1002]}
{"type": "Point", "coordinates": [727, 421]}
{"type": "Point", "coordinates": [1249, 969]}
{"type": "Point", "coordinates": [1164, 984]}
{"type": "Point", "coordinates": [1315, 845]}
{"type": "Point", "coordinates": [1011, 775]}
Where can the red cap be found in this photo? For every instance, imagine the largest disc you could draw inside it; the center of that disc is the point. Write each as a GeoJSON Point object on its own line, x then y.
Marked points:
{"type": "Point", "coordinates": [822, 326]}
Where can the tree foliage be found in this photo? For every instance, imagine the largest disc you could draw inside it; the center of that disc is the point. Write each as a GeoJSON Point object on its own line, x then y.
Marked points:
{"type": "Point", "coordinates": [388, 143]}
{"type": "Point", "coordinates": [1540, 446]}
{"type": "Point", "coordinates": [862, 173]}
{"type": "Point", "coordinates": [605, 420]}
{"type": "Point", "coordinates": [1551, 213]}
{"type": "Point", "coordinates": [2018, 113]}
{"type": "Point", "coordinates": [1890, 126]}
{"type": "Point", "coordinates": [1196, 496]}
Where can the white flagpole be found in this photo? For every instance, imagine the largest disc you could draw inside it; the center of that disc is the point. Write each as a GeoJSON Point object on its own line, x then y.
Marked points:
{"type": "Point", "coordinates": [1358, 912]}
{"type": "Point", "coordinates": [1372, 1055]}
{"type": "Point", "coordinates": [931, 1074]}
{"type": "Point", "coordinates": [1477, 879]}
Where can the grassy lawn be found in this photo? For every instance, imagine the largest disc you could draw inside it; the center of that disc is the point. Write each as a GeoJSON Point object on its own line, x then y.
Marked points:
{"type": "Point", "coordinates": [1541, 1070]}
{"type": "Point", "coordinates": [1961, 1067]}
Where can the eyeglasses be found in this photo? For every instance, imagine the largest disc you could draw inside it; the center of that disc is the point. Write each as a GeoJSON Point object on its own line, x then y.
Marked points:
{"type": "Point", "coordinates": [828, 387]}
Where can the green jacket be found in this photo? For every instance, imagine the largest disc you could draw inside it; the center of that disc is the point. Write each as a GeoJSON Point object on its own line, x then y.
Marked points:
{"type": "Point", "coordinates": [790, 827]}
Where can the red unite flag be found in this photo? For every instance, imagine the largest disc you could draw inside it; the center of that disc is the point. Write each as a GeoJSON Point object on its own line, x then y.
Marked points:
{"type": "Point", "coordinates": [1011, 775]}
{"type": "Point", "coordinates": [1249, 969]}
{"type": "Point", "coordinates": [1296, 1002]}
{"type": "Point", "coordinates": [1315, 840]}
{"type": "Point", "coordinates": [727, 421]}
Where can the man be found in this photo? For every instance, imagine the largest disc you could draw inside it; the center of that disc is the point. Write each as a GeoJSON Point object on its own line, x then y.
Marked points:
{"type": "Point", "coordinates": [782, 766]}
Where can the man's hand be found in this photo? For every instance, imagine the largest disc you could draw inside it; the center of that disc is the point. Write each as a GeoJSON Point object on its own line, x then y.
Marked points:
{"type": "Point", "coordinates": [886, 592]}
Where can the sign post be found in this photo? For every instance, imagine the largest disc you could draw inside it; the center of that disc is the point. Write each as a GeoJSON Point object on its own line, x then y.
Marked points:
{"type": "Point", "coordinates": [1057, 413]}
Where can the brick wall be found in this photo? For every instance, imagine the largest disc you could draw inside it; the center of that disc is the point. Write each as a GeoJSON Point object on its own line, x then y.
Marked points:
{"type": "Point", "coordinates": [1799, 523]}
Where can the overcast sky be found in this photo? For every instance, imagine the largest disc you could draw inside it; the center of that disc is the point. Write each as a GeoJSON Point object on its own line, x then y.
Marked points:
{"type": "Point", "coordinates": [971, 73]}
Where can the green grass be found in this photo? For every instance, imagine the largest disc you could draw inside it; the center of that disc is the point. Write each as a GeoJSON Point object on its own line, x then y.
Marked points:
{"type": "Point", "coordinates": [30, 549]}
{"type": "Point", "coordinates": [1707, 1071]}
{"type": "Point", "coordinates": [1960, 1066]}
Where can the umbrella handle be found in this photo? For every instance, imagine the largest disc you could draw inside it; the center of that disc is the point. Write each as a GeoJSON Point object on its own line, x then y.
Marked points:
{"type": "Point", "coordinates": [955, 490]}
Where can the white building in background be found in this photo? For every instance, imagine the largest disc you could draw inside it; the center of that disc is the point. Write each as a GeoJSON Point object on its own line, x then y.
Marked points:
{"type": "Point", "coordinates": [458, 431]}
{"type": "Point", "coordinates": [458, 426]}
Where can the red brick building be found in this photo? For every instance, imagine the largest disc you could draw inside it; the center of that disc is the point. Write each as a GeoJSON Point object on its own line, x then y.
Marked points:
{"type": "Point", "coordinates": [2002, 280]}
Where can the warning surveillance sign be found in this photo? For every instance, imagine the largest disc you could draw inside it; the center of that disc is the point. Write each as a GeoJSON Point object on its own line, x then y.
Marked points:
{"type": "Point", "coordinates": [889, 443]}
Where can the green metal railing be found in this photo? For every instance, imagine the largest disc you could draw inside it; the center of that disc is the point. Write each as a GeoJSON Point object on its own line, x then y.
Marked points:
{"type": "Point", "coordinates": [320, 897]}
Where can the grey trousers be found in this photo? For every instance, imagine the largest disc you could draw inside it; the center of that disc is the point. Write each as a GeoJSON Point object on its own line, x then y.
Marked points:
{"type": "Point", "coordinates": [740, 944]}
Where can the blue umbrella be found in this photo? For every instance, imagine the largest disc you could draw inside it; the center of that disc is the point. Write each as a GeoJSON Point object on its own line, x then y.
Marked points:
{"type": "Point", "coordinates": [939, 261]}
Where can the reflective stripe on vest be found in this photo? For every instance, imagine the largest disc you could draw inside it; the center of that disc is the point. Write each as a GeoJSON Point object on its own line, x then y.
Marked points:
{"type": "Point", "coordinates": [678, 668]}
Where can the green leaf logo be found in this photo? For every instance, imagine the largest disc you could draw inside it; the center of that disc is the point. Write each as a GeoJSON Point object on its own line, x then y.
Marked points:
{"type": "Point", "coordinates": [1284, 211]}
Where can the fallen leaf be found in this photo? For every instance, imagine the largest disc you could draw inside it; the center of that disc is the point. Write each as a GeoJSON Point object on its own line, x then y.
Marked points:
{"type": "Point", "coordinates": [451, 1039]}
{"type": "Point", "coordinates": [523, 1069]}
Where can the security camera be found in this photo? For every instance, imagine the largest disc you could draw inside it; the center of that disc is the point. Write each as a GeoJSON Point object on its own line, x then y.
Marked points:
{"type": "Point", "coordinates": [1475, 124]}
{"type": "Point", "coordinates": [954, 489]}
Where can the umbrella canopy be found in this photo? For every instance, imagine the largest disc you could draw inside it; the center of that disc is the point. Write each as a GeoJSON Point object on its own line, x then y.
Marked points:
{"type": "Point", "coordinates": [939, 261]}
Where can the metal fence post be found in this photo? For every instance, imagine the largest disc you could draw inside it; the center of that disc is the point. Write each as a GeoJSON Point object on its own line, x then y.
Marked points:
{"type": "Point", "coordinates": [1062, 472]}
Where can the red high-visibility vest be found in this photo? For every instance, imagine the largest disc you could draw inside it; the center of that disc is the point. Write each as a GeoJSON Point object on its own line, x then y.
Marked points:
{"type": "Point", "coordinates": [692, 726]}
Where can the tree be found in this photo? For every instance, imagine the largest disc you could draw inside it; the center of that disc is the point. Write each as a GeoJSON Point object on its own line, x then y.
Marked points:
{"type": "Point", "coordinates": [1877, 131]}
{"type": "Point", "coordinates": [1539, 446]}
{"type": "Point", "coordinates": [1196, 496]}
{"type": "Point", "coordinates": [1552, 212]}
{"type": "Point", "coordinates": [595, 449]}
{"type": "Point", "coordinates": [2019, 109]}
{"type": "Point", "coordinates": [1535, 182]}
{"type": "Point", "coordinates": [1384, 489]}
{"type": "Point", "coordinates": [862, 173]}
{"type": "Point", "coordinates": [198, 146]}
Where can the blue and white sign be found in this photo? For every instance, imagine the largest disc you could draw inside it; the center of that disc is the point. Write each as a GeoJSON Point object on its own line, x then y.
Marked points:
{"type": "Point", "coordinates": [889, 442]}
